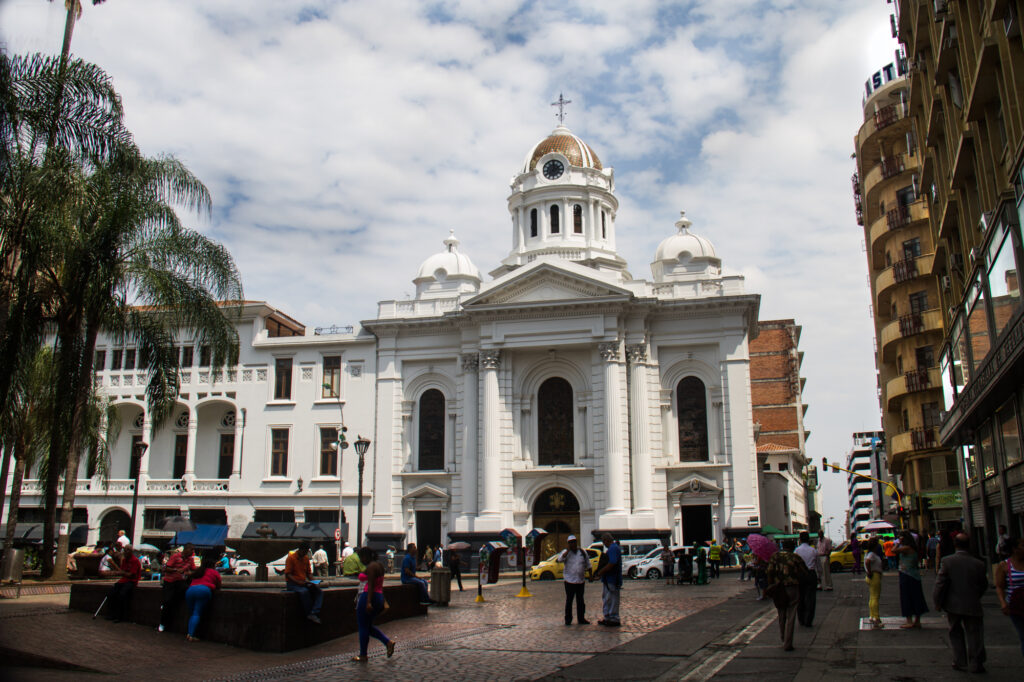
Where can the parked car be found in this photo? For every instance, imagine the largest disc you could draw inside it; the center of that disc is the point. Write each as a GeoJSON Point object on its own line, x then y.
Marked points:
{"type": "Point", "coordinates": [245, 567]}
{"type": "Point", "coordinates": [549, 569]}
{"type": "Point", "coordinates": [630, 566]}
{"type": "Point", "coordinates": [841, 558]}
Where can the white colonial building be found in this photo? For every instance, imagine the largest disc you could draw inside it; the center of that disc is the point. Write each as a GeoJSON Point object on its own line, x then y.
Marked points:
{"type": "Point", "coordinates": [562, 393]}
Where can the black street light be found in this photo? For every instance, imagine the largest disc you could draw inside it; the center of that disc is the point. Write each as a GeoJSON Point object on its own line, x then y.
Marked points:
{"type": "Point", "coordinates": [138, 449]}
{"type": "Point", "coordinates": [362, 444]}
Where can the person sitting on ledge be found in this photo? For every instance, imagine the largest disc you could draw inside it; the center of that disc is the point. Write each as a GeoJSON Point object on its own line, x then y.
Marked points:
{"type": "Point", "coordinates": [298, 575]}
{"type": "Point", "coordinates": [409, 574]}
{"type": "Point", "coordinates": [353, 565]}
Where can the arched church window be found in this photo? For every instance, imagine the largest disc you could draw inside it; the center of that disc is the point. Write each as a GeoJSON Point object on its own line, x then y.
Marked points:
{"type": "Point", "coordinates": [431, 441]}
{"type": "Point", "coordinates": [554, 220]}
{"type": "Point", "coordinates": [533, 222]}
{"type": "Point", "coordinates": [555, 423]}
{"type": "Point", "coordinates": [604, 233]}
{"type": "Point", "coordinates": [577, 219]}
{"type": "Point", "coordinates": [692, 411]}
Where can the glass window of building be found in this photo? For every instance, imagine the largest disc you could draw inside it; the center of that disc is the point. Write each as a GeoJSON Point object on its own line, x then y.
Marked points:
{"type": "Point", "coordinates": [577, 219]}
{"type": "Point", "coordinates": [186, 356]}
{"type": "Point", "coordinates": [332, 377]}
{"type": "Point", "coordinates": [1003, 287]}
{"type": "Point", "coordinates": [533, 222]}
{"type": "Point", "coordinates": [226, 458]}
{"type": "Point", "coordinates": [115, 359]}
{"type": "Point", "coordinates": [554, 220]}
{"type": "Point", "coordinates": [555, 437]}
{"type": "Point", "coordinates": [279, 452]}
{"type": "Point", "coordinates": [1010, 432]}
{"type": "Point", "coordinates": [977, 325]}
{"type": "Point", "coordinates": [925, 356]}
{"type": "Point", "coordinates": [129, 359]}
{"type": "Point", "coordinates": [691, 404]}
{"type": "Point", "coordinates": [180, 454]}
{"type": "Point", "coordinates": [986, 454]}
{"type": "Point", "coordinates": [283, 379]}
{"type": "Point", "coordinates": [328, 451]}
{"type": "Point", "coordinates": [918, 302]}
{"type": "Point", "coordinates": [100, 363]}
{"type": "Point", "coordinates": [204, 356]}
{"type": "Point", "coordinates": [948, 392]}
{"type": "Point", "coordinates": [431, 427]}
{"type": "Point", "coordinates": [912, 248]}
{"type": "Point", "coordinates": [970, 457]}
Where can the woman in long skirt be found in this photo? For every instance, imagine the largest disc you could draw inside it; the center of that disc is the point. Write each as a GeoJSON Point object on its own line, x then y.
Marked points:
{"type": "Point", "coordinates": [912, 603]}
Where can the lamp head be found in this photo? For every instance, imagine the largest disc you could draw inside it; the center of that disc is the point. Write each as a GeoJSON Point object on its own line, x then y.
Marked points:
{"type": "Point", "coordinates": [362, 444]}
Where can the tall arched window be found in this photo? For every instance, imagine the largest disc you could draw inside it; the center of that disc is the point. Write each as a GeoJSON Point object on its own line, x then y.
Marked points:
{"type": "Point", "coordinates": [604, 233]}
{"type": "Point", "coordinates": [431, 442]}
{"type": "Point", "coordinates": [555, 422]}
{"type": "Point", "coordinates": [577, 219]}
{"type": "Point", "coordinates": [554, 220]}
{"type": "Point", "coordinates": [533, 222]}
{"type": "Point", "coordinates": [692, 411]}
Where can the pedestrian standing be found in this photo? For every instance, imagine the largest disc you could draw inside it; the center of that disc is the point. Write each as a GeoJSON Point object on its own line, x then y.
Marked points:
{"type": "Point", "coordinates": [205, 581]}
{"type": "Point", "coordinates": [1003, 549]}
{"type": "Point", "coordinates": [702, 565]}
{"type": "Point", "coordinates": [958, 589]}
{"type": "Point", "coordinates": [855, 550]}
{"type": "Point", "coordinates": [743, 554]}
{"type": "Point", "coordinates": [912, 603]}
{"type": "Point", "coordinates": [428, 554]}
{"type": "Point", "coordinates": [455, 566]}
{"type": "Point", "coordinates": [824, 549]}
{"type": "Point", "coordinates": [320, 561]}
{"type": "Point", "coordinates": [783, 576]}
{"type": "Point", "coordinates": [1009, 580]}
{"type": "Point", "coordinates": [668, 564]}
{"type": "Point", "coordinates": [370, 603]}
{"type": "Point", "coordinates": [715, 558]}
{"type": "Point", "coordinates": [889, 549]}
{"type": "Point", "coordinates": [873, 564]}
{"type": "Point", "coordinates": [931, 551]}
{"type": "Point", "coordinates": [576, 572]}
{"type": "Point", "coordinates": [611, 579]}
{"type": "Point", "coordinates": [809, 582]}
{"type": "Point", "coordinates": [175, 573]}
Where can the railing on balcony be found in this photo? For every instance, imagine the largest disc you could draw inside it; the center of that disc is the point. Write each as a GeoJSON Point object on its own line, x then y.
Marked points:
{"type": "Point", "coordinates": [886, 116]}
{"type": "Point", "coordinates": [922, 438]}
{"type": "Point", "coordinates": [892, 166]}
{"type": "Point", "coordinates": [917, 379]}
{"type": "Point", "coordinates": [897, 217]}
{"type": "Point", "coordinates": [903, 270]}
{"type": "Point", "coordinates": [911, 324]}
{"type": "Point", "coordinates": [201, 485]}
{"type": "Point", "coordinates": [857, 203]}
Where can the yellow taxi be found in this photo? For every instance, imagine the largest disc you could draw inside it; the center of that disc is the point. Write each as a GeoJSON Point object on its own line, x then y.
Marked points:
{"type": "Point", "coordinates": [549, 569]}
{"type": "Point", "coordinates": [841, 558]}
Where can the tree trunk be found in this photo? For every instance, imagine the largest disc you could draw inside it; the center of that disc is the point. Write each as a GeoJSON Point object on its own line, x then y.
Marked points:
{"type": "Point", "coordinates": [82, 390]}
{"type": "Point", "coordinates": [8, 454]}
{"type": "Point", "coordinates": [12, 512]}
{"type": "Point", "coordinates": [69, 28]}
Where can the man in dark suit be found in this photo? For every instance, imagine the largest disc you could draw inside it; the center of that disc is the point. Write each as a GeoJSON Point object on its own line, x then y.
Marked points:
{"type": "Point", "coordinates": [958, 590]}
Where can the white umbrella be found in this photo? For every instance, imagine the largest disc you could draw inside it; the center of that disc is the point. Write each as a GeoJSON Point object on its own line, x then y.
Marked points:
{"type": "Point", "coordinates": [877, 525]}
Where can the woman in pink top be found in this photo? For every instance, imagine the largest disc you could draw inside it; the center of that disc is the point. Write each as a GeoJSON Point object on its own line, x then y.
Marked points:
{"type": "Point", "coordinates": [205, 580]}
{"type": "Point", "coordinates": [370, 604]}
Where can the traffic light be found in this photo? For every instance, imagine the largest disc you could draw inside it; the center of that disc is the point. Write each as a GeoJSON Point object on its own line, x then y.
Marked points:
{"type": "Point", "coordinates": [926, 504]}
{"type": "Point", "coordinates": [824, 464]}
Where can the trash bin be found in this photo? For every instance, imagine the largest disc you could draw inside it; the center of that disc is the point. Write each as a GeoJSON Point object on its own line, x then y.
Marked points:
{"type": "Point", "coordinates": [441, 585]}
{"type": "Point", "coordinates": [13, 566]}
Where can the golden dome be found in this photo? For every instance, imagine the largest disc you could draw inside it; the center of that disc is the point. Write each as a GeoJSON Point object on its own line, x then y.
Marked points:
{"type": "Point", "coordinates": [562, 140]}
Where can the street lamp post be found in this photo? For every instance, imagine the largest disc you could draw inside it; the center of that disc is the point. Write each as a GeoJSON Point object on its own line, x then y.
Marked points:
{"type": "Point", "coordinates": [362, 444]}
{"type": "Point", "coordinates": [342, 445]}
{"type": "Point", "coordinates": [138, 449]}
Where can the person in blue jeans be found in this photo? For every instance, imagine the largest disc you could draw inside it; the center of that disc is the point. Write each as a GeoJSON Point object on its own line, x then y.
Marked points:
{"type": "Point", "coordinates": [370, 604]}
{"type": "Point", "coordinates": [205, 580]}
{"type": "Point", "coordinates": [409, 574]}
{"type": "Point", "coordinates": [610, 574]}
{"type": "Point", "coordinates": [298, 575]}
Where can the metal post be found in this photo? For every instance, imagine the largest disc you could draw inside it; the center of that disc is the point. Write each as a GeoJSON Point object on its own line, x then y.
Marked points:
{"type": "Point", "coordinates": [137, 452]}
{"type": "Point", "coordinates": [362, 444]}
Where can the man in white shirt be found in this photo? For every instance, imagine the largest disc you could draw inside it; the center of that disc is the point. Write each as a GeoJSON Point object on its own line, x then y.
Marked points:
{"type": "Point", "coordinates": [320, 561]}
{"type": "Point", "coordinates": [824, 557]}
{"type": "Point", "coordinates": [122, 539]}
{"type": "Point", "coordinates": [808, 588]}
{"type": "Point", "coordinates": [577, 567]}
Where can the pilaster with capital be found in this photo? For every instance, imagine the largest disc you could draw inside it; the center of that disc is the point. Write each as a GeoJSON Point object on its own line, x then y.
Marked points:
{"type": "Point", "coordinates": [470, 419]}
{"type": "Point", "coordinates": [643, 482]}
{"type": "Point", "coordinates": [490, 361]}
{"type": "Point", "coordinates": [615, 475]}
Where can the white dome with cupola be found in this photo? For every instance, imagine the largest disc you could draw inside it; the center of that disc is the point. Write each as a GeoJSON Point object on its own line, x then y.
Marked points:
{"type": "Point", "coordinates": [446, 273]}
{"type": "Point", "coordinates": [685, 256]}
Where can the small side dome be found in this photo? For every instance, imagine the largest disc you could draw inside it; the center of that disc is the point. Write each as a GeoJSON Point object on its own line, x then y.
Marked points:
{"type": "Point", "coordinates": [562, 140]}
{"type": "Point", "coordinates": [447, 272]}
{"type": "Point", "coordinates": [685, 255]}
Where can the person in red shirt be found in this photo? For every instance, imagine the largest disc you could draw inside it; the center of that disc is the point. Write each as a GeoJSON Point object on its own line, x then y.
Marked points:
{"type": "Point", "coordinates": [205, 581]}
{"type": "Point", "coordinates": [120, 595]}
{"type": "Point", "coordinates": [176, 571]}
{"type": "Point", "coordinates": [298, 574]}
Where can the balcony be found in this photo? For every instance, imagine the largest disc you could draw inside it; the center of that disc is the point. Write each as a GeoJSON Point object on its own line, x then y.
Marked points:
{"type": "Point", "coordinates": [886, 116]}
{"type": "Point", "coordinates": [917, 380]}
{"type": "Point", "coordinates": [881, 226]}
{"type": "Point", "coordinates": [923, 439]}
{"type": "Point", "coordinates": [907, 326]}
{"type": "Point", "coordinates": [857, 203]}
{"type": "Point", "coordinates": [892, 166]}
{"type": "Point", "coordinates": [905, 269]}
{"type": "Point", "coordinates": [897, 217]}
{"type": "Point", "coordinates": [901, 385]}
{"type": "Point", "coordinates": [892, 276]}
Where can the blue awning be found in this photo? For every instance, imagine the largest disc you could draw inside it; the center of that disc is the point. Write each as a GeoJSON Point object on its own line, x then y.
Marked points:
{"type": "Point", "coordinates": [203, 536]}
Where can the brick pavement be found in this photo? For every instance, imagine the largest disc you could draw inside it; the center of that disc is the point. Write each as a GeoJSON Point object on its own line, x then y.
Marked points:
{"type": "Point", "coordinates": [505, 638]}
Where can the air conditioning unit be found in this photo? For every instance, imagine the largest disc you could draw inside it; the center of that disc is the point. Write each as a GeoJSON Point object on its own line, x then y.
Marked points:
{"type": "Point", "coordinates": [976, 256]}
{"type": "Point", "coordinates": [1010, 23]}
{"type": "Point", "coordinates": [947, 282]}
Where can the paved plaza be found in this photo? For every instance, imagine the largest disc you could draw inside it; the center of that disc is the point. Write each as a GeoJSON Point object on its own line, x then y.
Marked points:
{"type": "Point", "coordinates": [668, 633]}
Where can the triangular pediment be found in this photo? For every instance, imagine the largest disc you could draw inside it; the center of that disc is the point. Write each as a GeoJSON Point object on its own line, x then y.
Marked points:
{"type": "Point", "coordinates": [544, 283]}
{"type": "Point", "coordinates": [695, 485]}
{"type": "Point", "coordinates": [427, 490]}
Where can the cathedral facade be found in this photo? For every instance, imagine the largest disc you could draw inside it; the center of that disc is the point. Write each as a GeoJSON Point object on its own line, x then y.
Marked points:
{"type": "Point", "coordinates": [559, 393]}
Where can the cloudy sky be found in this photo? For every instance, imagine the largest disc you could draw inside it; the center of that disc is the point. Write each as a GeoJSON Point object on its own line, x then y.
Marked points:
{"type": "Point", "coordinates": [342, 140]}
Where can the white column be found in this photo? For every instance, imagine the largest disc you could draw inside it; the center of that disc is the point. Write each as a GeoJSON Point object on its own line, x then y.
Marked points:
{"type": "Point", "coordinates": [385, 448]}
{"type": "Point", "coordinates": [614, 474]}
{"type": "Point", "coordinates": [190, 448]}
{"type": "Point", "coordinates": [638, 416]}
{"type": "Point", "coordinates": [490, 360]}
{"type": "Point", "coordinates": [236, 458]}
{"type": "Point", "coordinates": [470, 417]}
{"type": "Point", "coordinates": [147, 437]}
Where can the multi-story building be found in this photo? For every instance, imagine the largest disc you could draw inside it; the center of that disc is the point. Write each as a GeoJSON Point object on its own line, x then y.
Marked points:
{"type": "Point", "coordinates": [966, 103]}
{"type": "Point", "coordinates": [776, 390]}
{"type": "Point", "coordinates": [869, 497]}
{"type": "Point", "coordinates": [905, 291]}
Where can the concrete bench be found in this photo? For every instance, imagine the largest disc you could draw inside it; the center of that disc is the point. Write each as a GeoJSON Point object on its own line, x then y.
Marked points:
{"type": "Point", "coordinates": [258, 616]}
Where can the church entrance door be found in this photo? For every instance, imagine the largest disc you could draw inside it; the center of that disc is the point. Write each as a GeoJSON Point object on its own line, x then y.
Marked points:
{"type": "Point", "coordinates": [428, 531]}
{"type": "Point", "coordinates": [558, 512]}
{"type": "Point", "coordinates": [697, 527]}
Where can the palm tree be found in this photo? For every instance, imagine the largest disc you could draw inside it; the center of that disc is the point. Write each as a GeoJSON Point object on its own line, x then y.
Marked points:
{"type": "Point", "coordinates": [131, 269]}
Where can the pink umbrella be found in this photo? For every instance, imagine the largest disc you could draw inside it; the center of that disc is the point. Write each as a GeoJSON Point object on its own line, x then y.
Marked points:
{"type": "Point", "coordinates": [761, 546]}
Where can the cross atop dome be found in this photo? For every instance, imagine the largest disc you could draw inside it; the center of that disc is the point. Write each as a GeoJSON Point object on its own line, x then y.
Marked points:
{"type": "Point", "coordinates": [561, 108]}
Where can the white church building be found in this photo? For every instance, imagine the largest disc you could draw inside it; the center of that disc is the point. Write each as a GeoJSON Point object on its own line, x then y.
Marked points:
{"type": "Point", "coordinates": [558, 393]}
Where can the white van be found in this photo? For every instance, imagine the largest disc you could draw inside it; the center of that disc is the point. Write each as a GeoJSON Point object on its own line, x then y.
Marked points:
{"type": "Point", "coordinates": [633, 549]}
